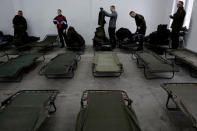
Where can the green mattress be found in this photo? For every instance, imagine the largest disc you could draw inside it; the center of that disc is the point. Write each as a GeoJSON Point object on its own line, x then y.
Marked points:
{"type": "Point", "coordinates": [50, 39]}
{"type": "Point", "coordinates": [61, 64]}
{"type": "Point", "coordinates": [106, 111]}
{"type": "Point", "coordinates": [186, 55]}
{"type": "Point", "coordinates": [14, 66]}
{"type": "Point", "coordinates": [106, 62]}
{"type": "Point", "coordinates": [184, 95]}
{"type": "Point", "coordinates": [154, 63]}
{"type": "Point", "coordinates": [25, 111]}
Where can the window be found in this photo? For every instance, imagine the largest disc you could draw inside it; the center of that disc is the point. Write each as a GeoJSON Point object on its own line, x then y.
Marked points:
{"type": "Point", "coordinates": [188, 5]}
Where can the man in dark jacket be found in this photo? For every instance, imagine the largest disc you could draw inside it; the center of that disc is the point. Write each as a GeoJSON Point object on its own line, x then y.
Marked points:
{"type": "Point", "coordinates": [178, 20]}
{"type": "Point", "coordinates": [20, 28]}
{"type": "Point", "coordinates": [112, 25]}
{"type": "Point", "coordinates": [141, 26]}
{"type": "Point", "coordinates": [62, 25]}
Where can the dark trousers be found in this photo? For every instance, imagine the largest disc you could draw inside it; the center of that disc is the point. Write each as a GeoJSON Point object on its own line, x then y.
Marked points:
{"type": "Point", "coordinates": [141, 33]}
{"type": "Point", "coordinates": [112, 36]}
{"type": "Point", "coordinates": [175, 39]}
{"type": "Point", "coordinates": [63, 37]}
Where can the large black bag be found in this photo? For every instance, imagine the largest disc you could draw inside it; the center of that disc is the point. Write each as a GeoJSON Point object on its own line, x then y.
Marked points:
{"type": "Point", "coordinates": [123, 33]}
{"type": "Point", "coordinates": [75, 40]}
{"type": "Point", "coordinates": [5, 40]}
{"type": "Point", "coordinates": [161, 36]}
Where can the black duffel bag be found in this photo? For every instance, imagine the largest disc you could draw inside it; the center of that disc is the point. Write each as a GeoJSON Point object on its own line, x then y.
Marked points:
{"type": "Point", "coordinates": [75, 40]}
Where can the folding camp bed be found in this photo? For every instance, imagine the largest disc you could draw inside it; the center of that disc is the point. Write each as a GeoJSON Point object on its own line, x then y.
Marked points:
{"type": "Point", "coordinates": [14, 68]}
{"type": "Point", "coordinates": [188, 57]}
{"type": "Point", "coordinates": [27, 110]}
{"type": "Point", "coordinates": [106, 111]}
{"type": "Point", "coordinates": [47, 43]}
{"type": "Point", "coordinates": [62, 66]}
{"type": "Point", "coordinates": [106, 64]}
{"type": "Point", "coordinates": [154, 64]}
{"type": "Point", "coordinates": [3, 54]}
{"type": "Point", "coordinates": [183, 95]}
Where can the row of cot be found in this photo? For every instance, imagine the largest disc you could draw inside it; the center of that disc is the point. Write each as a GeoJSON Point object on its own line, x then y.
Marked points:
{"type": "Point", "coordinates": [104, 64]}
{"type": "Point", "coordinates": [101, 110]}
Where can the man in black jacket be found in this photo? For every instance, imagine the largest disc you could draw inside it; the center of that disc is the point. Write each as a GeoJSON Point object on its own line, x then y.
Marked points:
{"type": "Point", "coordinates": [141, 26]}
{"type": "Point", "coordinates": [20, 27]}
{"type": "Point", "coordinates": [178, 20]}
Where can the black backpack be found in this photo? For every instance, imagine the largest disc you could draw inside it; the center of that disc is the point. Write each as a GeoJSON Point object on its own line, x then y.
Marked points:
{"type": "Point", "coordinates": [75, 40]}
{"type": "Point", "coordinates": [123, 33]}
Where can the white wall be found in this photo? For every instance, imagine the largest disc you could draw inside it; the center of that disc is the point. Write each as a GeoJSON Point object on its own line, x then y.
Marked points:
{"type": "Point", "coordinates": [83, 15]}
{"type": "Point", "coordinates": [191, 40]}
{"type": "Point", "coordinates": [6, 14]}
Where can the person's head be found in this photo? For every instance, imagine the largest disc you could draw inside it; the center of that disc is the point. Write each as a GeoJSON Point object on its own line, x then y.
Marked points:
{"type": "Point", "coordinates": [59, 11]}
{"type": "Point", "coordinates": [132, 14]}
{"type": "Point", "coordinates": [180, 4]}
{"type": "Point", "coordinates": [20, 13]}
{"type": "Point", "coordinates": [112, 8]}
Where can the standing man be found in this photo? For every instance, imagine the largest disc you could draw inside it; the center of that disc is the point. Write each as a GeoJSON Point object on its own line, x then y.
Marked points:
{"type": "Point", "coordinates": [112, 25]}
{"type": "Point", "coordinates": [62, 25]}
{"type": "Point", "coordinates": [20, 28]}
{"type": "Point", "coordinates": [178, 20]}
{"type": "Point", "coordinates": [141, 27]}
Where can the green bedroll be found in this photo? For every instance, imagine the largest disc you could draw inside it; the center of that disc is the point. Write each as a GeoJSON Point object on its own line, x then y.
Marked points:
{"type": "Point", "coordinates": [62, 66]}
{"type": "Point", "coordinates": [103, 110]}
{"type": "Point", "coordinates": [13, 69]}
{"type": "Point", "coordinates": [188, 57]}
{"type": "Point", "coordinates": [47, 43]}
{"type": "Point", "coordinates": [153, 64]}
{"type": "Point", "coordinates": [106, 64]}
{"type": "Point", "coordinates": [183, 95]}
{"type": "Point", "coordinates": [27, 110]}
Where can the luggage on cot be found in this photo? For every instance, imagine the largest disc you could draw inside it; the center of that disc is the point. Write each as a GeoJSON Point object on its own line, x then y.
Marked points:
{"type": "Point", "coordinates": [106, 111]}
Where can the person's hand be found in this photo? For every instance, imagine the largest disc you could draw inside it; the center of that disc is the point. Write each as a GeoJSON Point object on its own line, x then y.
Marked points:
{"type": "Point", "coordinates": [62, 22]}
{"type": "Point", "coordinates": [64, 31]}
{"type": "Point", "coordinates": [138, 27]}
{"type": "Point", "coordinates": [58, 23]}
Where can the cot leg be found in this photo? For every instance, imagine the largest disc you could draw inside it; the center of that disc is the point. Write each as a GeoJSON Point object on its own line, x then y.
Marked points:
{"type": "Point", "coordinates": [193, 73]}
{"type": "Point", "coordinates": [170, 97]}
{"type": "Point", "coordinates": [138, 64]}
{"type": "Point", "coordinates": [52, 105]}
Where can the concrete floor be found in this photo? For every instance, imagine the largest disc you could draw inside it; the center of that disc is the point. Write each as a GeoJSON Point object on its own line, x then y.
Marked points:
{"type": "Point", "coordinates": [149, 98]}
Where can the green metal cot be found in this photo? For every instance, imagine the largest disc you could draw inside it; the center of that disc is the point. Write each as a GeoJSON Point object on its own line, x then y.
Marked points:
{"type": "Point", "coordinates": [13, 69]}
{"type": "Point", "coordinates": [106, 64]}
{"type": "Point", "coordinates": [154, 64]}
{"type": "Point", "coordinates": [188, 57]}
{"type": "Point", "coordinates": [27, 110]}
{"type": "Point", "coordinates": [106, 110]}
{"type": "Point", "coordinates": [62, 66]}
{"type": "Point", "coordinates": [47, 43]}
{"type": "Point", "coordinates": [183, 95]}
